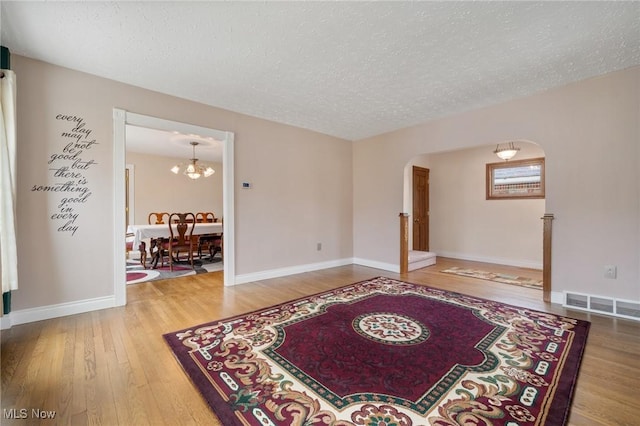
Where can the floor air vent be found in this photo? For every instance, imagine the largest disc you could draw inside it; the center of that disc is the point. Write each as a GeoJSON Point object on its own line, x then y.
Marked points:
{"type": "Point", "coordinates": [602, 305]}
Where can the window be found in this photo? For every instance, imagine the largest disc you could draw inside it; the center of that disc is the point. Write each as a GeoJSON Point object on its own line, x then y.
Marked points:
{"type": "Point", "coordinates": [515, 179]}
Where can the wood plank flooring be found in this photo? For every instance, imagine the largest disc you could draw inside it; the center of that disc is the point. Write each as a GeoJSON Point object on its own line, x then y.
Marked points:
{"type": "Point", "coordinates": [112, 367]}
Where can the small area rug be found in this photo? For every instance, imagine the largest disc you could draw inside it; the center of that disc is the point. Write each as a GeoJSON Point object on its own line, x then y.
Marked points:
{"type": "Point", "coordinates": [137, 274]}
{"type": "Point", "coordinates": [385, 352]}
{"type": "Point", "coordinates": [492, 276]}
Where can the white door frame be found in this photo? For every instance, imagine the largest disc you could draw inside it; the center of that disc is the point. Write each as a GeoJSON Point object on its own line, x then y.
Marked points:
{"type": "Point", "coordinates": [132, 193]}
{"type": "Point", "coordinates": [122, 118]}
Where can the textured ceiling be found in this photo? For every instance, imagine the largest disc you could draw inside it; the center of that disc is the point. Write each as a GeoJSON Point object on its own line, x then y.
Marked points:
{"type": "Point", "coordinates": [172, 144]}
{"type": "Point", "coordinates": [348, 69]}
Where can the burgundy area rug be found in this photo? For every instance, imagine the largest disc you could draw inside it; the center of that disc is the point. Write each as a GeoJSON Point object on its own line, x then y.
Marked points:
{"type": "Point", "coordinates": [386, 352]}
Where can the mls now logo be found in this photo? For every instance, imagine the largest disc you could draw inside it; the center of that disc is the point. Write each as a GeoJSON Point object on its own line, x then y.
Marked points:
{"type": "Point", "coordinates": [23, 413]}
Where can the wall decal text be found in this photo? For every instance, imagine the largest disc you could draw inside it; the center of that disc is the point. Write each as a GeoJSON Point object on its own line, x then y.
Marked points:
{"type": "Point", "coordinates": [67, 168]}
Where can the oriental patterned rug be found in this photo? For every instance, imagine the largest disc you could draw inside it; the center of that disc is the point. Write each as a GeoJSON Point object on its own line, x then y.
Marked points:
{"type": "Point", "coordinates": [493, 276]}
{"type": "Point", "coordinates": [386, 352]}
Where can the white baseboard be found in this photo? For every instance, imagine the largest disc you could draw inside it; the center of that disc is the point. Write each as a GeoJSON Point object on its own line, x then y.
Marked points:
{"type": "Point", "coordinates": [282, 272]}
{"type": "Point", "coordinates": [55, 311]}
{"type": "Point", "coordinates": [378, 265]}
{"type": "Point", "coordinates": [500, 261]}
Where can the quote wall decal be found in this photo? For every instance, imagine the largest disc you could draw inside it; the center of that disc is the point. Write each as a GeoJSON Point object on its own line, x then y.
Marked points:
{"type": "Point", "coordinates": [67, 172]}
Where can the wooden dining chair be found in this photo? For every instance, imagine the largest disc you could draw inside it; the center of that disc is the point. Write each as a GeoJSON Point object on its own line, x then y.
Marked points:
{"type": "Point", "coordinates": [211, 243]}
{"type": "Point", "coordinates": [155, 218]}
{"type": "Point", "coordinates": [128, 243]}
{"type": "Point", "coordinates": [158, 218]}
{"type": "Point", "coordinates": [206, 217]}
{"type": "Point", "coordinates": [181, 239]}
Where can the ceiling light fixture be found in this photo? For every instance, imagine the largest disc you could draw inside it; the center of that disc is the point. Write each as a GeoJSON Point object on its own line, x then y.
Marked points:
{"type": "Point", "coordinates": [507, 152]}
{"type": "Point", "coordinates": [194, 169]}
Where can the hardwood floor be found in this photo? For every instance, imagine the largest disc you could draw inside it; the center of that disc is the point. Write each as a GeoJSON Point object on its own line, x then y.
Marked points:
{"type": "Point", "coordinates": [112, 367]}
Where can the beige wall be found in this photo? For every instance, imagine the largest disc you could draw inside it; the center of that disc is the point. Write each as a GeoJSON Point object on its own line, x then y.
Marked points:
{"type": "Point", "coordinates": [590, 135]}
{"type": "Point", "coordinates": [153, 178]}
{"type": "Point", "coordinates": [301, 191]}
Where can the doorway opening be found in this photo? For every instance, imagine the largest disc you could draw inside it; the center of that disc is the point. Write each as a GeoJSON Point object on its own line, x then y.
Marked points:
{"type": "Point", "coordinates": [122, 119]}
{"type": "Point", "coordinates": [463, 223]}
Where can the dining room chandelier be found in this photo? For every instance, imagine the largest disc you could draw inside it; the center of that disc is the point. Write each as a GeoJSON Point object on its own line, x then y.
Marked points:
{"type": "Point", "coordinates": [506, 152]}
{"type": "Point", "coordinates": [193, 169]}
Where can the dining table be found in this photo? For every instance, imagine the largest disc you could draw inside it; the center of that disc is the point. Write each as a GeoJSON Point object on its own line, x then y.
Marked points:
{"type": "Point", "coordinates": [141, 233]}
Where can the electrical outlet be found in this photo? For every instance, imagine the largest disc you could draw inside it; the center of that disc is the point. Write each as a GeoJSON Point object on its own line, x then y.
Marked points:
{"type": "Point", "coordinates": [610, 271]}
{"type": "Point", "coordinates": [319, 246]}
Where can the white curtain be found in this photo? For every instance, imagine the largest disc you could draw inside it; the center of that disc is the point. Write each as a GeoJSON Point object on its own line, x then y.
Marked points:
{"type": "Point", "coordinates": [8, 249]}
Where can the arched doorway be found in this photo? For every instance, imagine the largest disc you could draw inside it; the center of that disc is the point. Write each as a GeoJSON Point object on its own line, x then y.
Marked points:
{"type": "Point", "coordinates": [463, 223]}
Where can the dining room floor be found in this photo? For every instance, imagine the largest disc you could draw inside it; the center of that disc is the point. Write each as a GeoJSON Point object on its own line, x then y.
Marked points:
{"type": "Point", "coordinates": [136, 273]}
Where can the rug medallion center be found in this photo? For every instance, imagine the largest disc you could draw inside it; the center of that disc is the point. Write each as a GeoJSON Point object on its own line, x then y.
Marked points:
{"type": "Point", "coordinates": [391, 328]}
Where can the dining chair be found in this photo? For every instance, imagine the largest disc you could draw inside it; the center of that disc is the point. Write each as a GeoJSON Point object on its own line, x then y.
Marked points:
{"type": "Point", "coordinates": [128, 243]}
{"type": "Point", "coordinates": [206, 217]}
{"type": "Point", "coordinates": [158, 218]}
{"type": "Point", "coordinates": [211, 243]}
{"type": "Point", "coordinates": [181, 239]}
{"type": "Point", "coordinates": [155, 218]}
